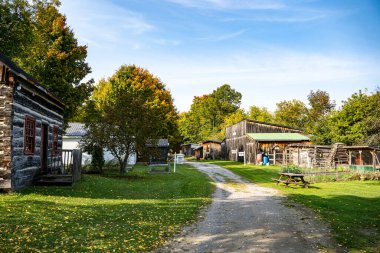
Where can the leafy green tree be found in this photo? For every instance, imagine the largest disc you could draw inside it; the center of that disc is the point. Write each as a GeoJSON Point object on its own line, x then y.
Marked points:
{"type": "Point", "coordinates": [350, 124]}
{"type": "Point", "coordinates": [15, 28]}
{"type": "Point", "coordinates": [291, 113]}
{"type": "Point", "coordinates": [127, 110]}
{"type": "Point", "coordinates": [320, 106]}
{"type": "Point", "coordinates": [205, 119]}
{"type": "Point", "coordinates": [372, 131]}
{"type": "Point", "coordinates": [260, 114]}
{"type": "Point", "coordinates": [39, 40]}
{"type": "Point", "coordinates": [230, 120]}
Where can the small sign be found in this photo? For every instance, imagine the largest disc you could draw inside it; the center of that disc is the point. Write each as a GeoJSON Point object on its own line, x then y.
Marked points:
{"type": "Point", "coordinates": [233, 151]}
{"type": "Point", "coordinates": [241, 153]}
{"type": "Point", "coordinates": [180, 158]}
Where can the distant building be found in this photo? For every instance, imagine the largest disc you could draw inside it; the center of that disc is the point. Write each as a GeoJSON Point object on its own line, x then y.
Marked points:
{"type": "Point", "coordinates": [212, 149]}
{"type": "Point", "coordinates": [157, 151]}
{"type": "Point", "coordinates": [72, 138]}
{"type": "Point", "coordinates": [254, 140]}
{"type": "Point", "coordinates": [189, 149]}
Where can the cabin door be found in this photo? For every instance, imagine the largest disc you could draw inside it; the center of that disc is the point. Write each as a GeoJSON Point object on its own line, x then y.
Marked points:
{"type": "Point", "coordinates": [44, 147]}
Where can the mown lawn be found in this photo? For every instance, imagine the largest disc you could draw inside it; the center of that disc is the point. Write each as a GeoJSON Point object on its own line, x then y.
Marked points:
{"type": "Point", "coordinates": [352, 208]}
{"type": "Point", "coordinates": [102, 213]}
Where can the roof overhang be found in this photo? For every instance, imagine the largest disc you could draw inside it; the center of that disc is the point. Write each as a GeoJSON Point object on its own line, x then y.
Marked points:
{"type": "Point", "coordinates": [279, 137]}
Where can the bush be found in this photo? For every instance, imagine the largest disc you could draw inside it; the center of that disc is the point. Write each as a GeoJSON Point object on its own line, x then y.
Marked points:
{"type": "Point", "coordinates": [97, 161]}
{"type": "Point", "coordinates": [291, 168]}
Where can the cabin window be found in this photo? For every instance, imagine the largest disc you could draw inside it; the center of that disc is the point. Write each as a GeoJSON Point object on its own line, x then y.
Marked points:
{"type": "Point", "coordinates": [29, 135]}
{"type": "Point", "coordinates": [55, 140]}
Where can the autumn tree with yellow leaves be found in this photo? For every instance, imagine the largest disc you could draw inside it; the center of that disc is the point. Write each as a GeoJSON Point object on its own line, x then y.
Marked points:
{"type": "Point", "coordinates": [127, 110]}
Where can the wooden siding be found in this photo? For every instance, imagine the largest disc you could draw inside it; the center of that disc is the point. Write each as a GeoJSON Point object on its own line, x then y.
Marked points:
{"type": "Point", "coordinates": [238, 141]}
{"type": "Point", "coordinates": [25, 168]}
{"type": "Point", "coordinates": [6, 92]}
{"type": "Point", "coordinates": [212, 150]}
{"type": "Point", "coordinates": [316, 156]}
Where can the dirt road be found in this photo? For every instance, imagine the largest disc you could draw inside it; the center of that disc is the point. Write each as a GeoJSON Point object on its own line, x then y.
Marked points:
{"type": "Point", "coordinates": [244, 217]}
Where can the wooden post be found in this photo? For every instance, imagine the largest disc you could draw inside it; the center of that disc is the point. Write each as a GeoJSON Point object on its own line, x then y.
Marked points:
{"type": "Point", "coordinates": [373, 160]}
{"type": "Point", "coordinates": [77, 164]}
{"type": "Point", "coordinates": [350, 157]}
{"type": "Point", "coordinates": [274, 156]}
{"type": "Point", "coordinates": [298, 156]}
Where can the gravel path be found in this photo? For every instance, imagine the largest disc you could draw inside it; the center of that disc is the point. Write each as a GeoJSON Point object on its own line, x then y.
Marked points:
{"type": "Point", "coordinates": [244, 217]}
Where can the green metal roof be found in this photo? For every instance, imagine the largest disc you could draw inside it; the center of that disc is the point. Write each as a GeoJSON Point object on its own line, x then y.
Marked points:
{"type": "Point", "coordinates": [278, 137]}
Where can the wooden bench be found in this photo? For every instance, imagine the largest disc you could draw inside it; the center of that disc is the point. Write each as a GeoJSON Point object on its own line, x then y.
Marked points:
{"type": "Point", "coordinates": [159, 167]}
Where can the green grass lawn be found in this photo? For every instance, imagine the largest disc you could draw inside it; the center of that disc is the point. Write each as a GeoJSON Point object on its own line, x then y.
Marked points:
{"type": "Point", "coordinates": [102, 213]}
{"type": "Point", "coordinates": [352, 208]}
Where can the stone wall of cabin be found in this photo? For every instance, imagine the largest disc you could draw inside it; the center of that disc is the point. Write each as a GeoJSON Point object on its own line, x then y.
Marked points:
{"type": "Point", "coordinates": [25, 168]}
{"type": "Point", "coordinates": [6, 89]}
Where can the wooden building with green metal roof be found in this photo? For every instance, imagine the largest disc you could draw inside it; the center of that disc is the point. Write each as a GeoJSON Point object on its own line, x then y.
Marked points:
{"type": "Point", "coordinates": [249, 140]}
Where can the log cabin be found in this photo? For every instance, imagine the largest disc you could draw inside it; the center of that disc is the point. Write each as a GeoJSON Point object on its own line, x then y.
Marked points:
{"type": "Point", "coordinates": [31, 126]}
{"type": "Point", "coordinates": [248, 140]}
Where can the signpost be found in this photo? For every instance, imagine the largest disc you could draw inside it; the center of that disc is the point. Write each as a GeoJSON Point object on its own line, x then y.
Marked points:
{"type": "Point", "coordinates": [243, 155]}
{"type": "Point", "coordinates": [178, 159]}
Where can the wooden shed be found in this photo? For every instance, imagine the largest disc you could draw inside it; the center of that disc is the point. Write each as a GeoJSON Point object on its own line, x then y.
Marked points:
{"type": "Point", "coordinates": [253, 139]}
{"type": "Point", "coordinates": [31, 126]}
{"type": "Point", "coordinates": [363, 158]}
{"type": "Point", "coordinates": [157, 151]}
{"type": "Point", "coordinates": [316, 156]}
{"type": "Point", "coordinates": [189, 149]}
{"type": "Point", "coordinates": [212, 149]}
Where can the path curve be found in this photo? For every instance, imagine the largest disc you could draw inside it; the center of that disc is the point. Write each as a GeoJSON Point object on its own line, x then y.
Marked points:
{"type": "Point", "coordinates": [245, 217]}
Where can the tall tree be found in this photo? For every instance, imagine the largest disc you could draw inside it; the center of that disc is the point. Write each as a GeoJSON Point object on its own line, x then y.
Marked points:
{"type": "Point", "coordinates": [127, 110]}
{"type": "Point", "coordinates": [372, 131]}
{"type": "Point", "coordinates": [320, 106]}
{"type": "Point", "coordinates": [260, 114]}
{"type": "Point", "coordinates": [40, 41]}
{"type": "Point", "coordinates": [15, 28]}
{"type": "Point", "coordinates": [350, 124]}
{"type": "Point", "coordinates": [230, 120]}
{"type": "Point", "coordinates": [207, 113]}
{"type": "Point", "coordinates": [292, 113]}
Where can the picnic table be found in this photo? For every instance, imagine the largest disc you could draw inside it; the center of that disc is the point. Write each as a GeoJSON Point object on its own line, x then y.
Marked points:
{"type": "Point", "coordinates": [292, 178]}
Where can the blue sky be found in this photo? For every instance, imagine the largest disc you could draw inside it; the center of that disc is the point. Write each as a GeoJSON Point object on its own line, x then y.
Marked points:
{"type": "Point", "coordinates": [269, 50]}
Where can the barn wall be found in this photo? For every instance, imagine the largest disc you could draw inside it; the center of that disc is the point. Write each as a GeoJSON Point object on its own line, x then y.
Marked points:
{"type": "Point", "coordinates": [237, 140]}
{"type": "Point", "coordinates": [212, 150]}
{"type": "Point", "coordinates": [25, 168]}
{"type": "Point", "coordinates": [6, 93]}
{"type": "Point", "coordinates": [258, 127]}
{"type": "Point", "coordinates": [316, 156]}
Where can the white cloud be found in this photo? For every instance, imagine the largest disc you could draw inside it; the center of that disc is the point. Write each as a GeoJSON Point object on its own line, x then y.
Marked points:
{"type": "Point", "coordinates": [223, 37]}
{"type": "Point", "coordinates": [231, 4]}
{"type": "Point", "coordinates": [104, 22]}
{"type": "Point", "coordinates": [264, 79]}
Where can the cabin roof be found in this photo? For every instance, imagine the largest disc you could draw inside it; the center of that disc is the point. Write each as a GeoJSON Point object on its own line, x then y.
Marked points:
{"type": "Point", "coordinates": [215, 141]}
{"type": "Point", "coordinates": [191, 145]}
{"type": "Point", "coordinates": [361, 147]}
{"type": "Point", "coordinates": [278, 137]}
{"type": "Point", "coordinates": [75, 129]}
{"type": "Point", "coordinates": [27, 77]}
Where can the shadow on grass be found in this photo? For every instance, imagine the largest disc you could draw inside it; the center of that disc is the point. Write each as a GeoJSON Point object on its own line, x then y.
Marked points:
{"type": "Point", "coordinates": [79, 226]}
{"type": "Point", "coordinates": [186, 183]}
{"type": "Point", "coordinates": [355, 221]}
